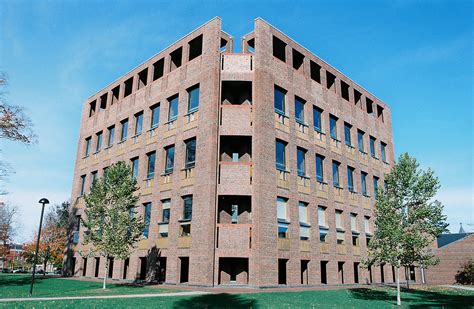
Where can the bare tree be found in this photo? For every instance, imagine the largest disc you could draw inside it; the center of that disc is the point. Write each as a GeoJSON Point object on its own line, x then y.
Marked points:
{"type": "Point", "coordinates": [14, 124]}
{"type": "Point", "coordinates": [7, 227]}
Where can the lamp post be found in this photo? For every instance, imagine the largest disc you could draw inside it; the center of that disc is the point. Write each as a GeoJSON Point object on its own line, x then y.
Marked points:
{"type": "Point", "coordinates": [42, 201]}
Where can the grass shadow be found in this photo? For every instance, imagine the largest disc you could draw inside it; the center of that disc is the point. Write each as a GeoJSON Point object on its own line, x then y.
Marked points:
{"type": "Point", "coordinates": [372, 294]}
{"type": "Point", "coordinates": [223, 300]}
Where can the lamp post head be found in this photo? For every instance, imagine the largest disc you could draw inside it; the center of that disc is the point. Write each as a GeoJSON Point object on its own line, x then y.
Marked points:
{"type": "Point", "coordinates": [43, 201]}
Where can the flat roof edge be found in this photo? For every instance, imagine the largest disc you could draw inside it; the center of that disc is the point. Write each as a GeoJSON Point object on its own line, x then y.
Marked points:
{"type": "Point", "coordinates": [168, 46]}
{"type": "Point", "coordinates": [327, 63]}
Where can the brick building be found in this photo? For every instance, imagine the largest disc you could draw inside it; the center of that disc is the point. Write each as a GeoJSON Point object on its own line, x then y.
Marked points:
{"type": "Point", "coordinates": [255, 168]}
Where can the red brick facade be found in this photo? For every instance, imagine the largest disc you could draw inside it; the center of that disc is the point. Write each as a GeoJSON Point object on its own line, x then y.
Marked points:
{"type": "Point", "coordinates": [234, 183]}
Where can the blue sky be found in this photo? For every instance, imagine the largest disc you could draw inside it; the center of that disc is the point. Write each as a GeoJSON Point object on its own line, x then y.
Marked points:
{"type": "Point", "coordinates": [415, 55]}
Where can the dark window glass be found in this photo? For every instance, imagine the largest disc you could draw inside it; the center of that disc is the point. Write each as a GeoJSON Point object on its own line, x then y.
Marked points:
{"type": "Point", "coordinates": [124, 132]}
{"type": "Point", "coordinates": [138, 123]}
{"type": "Point", "coordinates": [319, 168]}
{"type": "Point", "coordinates": [317, 112]}
{"type": "Point", "coordinates": [146, 219]}
{"type": "Point", "coordinates": [98, 145]}
{"type": "Point", "coordinates": [135, 167]}
{"type": "Point", "coordinates": [188, 207]}
{"type": "Point", "coordinates": [173, 108]}
{"type": "Point", "coordinates": [347, 134]}
{"type": "Point", "coordinates": [166, 215]}
{"type": "Point", "coordinates": [383, 146]}
{"type": "Point", "coordinates": [193, 99]}
{"type": "Point", "coordinates": [372, 146]}
{"type": "Point", "coordinates": [299, 109]}
{"type": "Point", "coordinates": [333, 126]}
{"type": "Point", "coordinates": [360, 140]}
{"type": "Point", "coordinates": [83, 185]}
{"type": "Point", "coordinates": [363, 181]}
{"type": "Point", "coordinates": [169, 159]}
{"type": "Point", "coordinates": [88, 147]}
{"type": "Point", "coordinates": [280, 155]}
{"type": "Point", "coordinates": [279, 100]}
{"type": "Point", "coordinates": [335, 174]}
{"type": "Point", "coordinates": [150, 173]}
{"type": "Point", "coordinates": [110, 140]}
{"type": "Point", "coordinates": [350, 178]}
{"type": "Point", "coordinates": [190, 153]}
{"type": "Point", "coordinates": [155, 116]}
{"type": "Point", "coordinates": [300, 156]}
{"type": "Point", "coordinates": [376, 183]}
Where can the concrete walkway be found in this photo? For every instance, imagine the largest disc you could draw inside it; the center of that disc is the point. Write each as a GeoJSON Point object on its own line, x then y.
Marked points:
{"type": "Point", "coordinates": [460, 287]}
{"type": "Point", "coordinates": [190, 293]}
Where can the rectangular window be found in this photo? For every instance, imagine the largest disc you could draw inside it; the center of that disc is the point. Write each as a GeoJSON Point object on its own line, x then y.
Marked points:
{"type": "Point", "coordinates": [299, 109]}
{"type": "Point", "coordinates": [134, 167]}
{"type": "Point", "coordinates": [155, 116]}
{"type": "Point", "coordinates": [280, 155]}
{"type": "Point", "coordinates": [124, 131]}
{"type": "Point", "coordinates": [317, 112]}
{"type": "Point", "coordinates": [363, 182]}
{"type": "Point", "coordinates": [187, 207]}
{"type": "Point", "coordinates": [360, 140]}
{"type": "Point", "coordinates": [173, 108]}
{"type": "Point", "coordinates": [344, 90]}
{"type": "Point", "coordinates": [304, 222]}
{"type": "Point", "coordinates": [98, 144]}
{"type": "Point", "coordinates": [138, 123]}
{"type": "Point", "coordinates": [279, 100]}
{"type": "Point", "coordinates": [279, 49]}
{"type": "Point", "coordinates": [354, 223]}
{"type": "Point", "coordinates": [347, 134]}
{"type": "Point", "coordinates": [322, 216]}
{"type": "Point", "coordinates": [111, 136]}
{"type": "Point", "coordinates": [315, 71]}
{"type": "Point", "coordinates": [166, 208]}
{"type": "Point", "coordinates": [235, 214]}
{"type": "Point", "coordinates": [93, 177]}
{"type": "Point", "coordinates": [195, 47]}
{"type": "Point", "coordinates": [83, 185]}
{"type": "Point", "coordinates": [367, 225]}
{"type": "Point", "coordinates": [340, 238]}
{"type": "Point", "coordinates": [193, 98]}
{"type": "Point", "coordinates": [350, 178]}
{"type": "Point", "coordinates": [87, 148]}
{"type": "Point", "coordinates": [376, 185]}
{"type": "Point", "coordinates": [176, 58]}
{"type": "Point", "coordinates": [281, 208]}
{"type": "Point", "coordinates": [335, 174]}
{"type": "Point", "coordinates": [372, 146]}
{"type": "Point", "coordinates": [169, 163]}
{"type": "Point", "coordinates": [146, 219]}
{"type": "Point", "coordinates": [370, 106]}
{"type": "Point", "coordinates": [150, 172]}
{"type": "Point", "coordinates": [303, 212]}
{"type": "Point", "coordinates": [301, 161]}
{"type": "Point", "coordinates": [319, 168]}
{"type": "Point", "coordinates": [158, 68]}
{"type": "Point", "coordinates": [190, 159]}
{"type": "Point", "coordinates": [92, 106]}
{"type": "Point", "coordinates": [128, 87]}
{"type": "Point", "coordinates": [383, 146]}
{"type": "Point", "coordinates": [339, 223]}
{"type": "Point", "coordinates": [115, 95]}
{"type": "Point", "coordinates": [333, 126]}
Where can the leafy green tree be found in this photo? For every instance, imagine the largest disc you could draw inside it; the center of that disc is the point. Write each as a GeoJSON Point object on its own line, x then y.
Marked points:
{"type": "Point", "coordinates": [111, 225]}
{"type": "Point", "coordinates": [407, 219]}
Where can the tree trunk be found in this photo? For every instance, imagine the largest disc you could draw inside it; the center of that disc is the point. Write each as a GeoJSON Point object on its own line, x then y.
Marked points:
{"type": "Point", "coordinates": [44, 266]}
{"type": "Point", "coordinates": [407, 276]}
{"type": "Point", "coordinates": [106, 270]}
{"type": "Point", "coordinates": [399, 301]}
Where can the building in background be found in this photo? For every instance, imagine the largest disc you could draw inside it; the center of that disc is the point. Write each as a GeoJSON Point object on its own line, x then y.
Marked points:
{"type": "Point", "coordinates": [256, 168]}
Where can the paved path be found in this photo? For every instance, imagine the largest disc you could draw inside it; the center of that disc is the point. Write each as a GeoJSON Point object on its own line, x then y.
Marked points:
{"type": "Point", "coordinates": [190, 293]}
{"type": "Point", "coordinates": [460, 287]}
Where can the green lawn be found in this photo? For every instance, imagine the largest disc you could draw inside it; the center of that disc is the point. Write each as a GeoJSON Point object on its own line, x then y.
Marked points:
{"type": "Point", "coordinates": [376, 297]}
{"type": "Point", "coordinates": [16, 285]}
